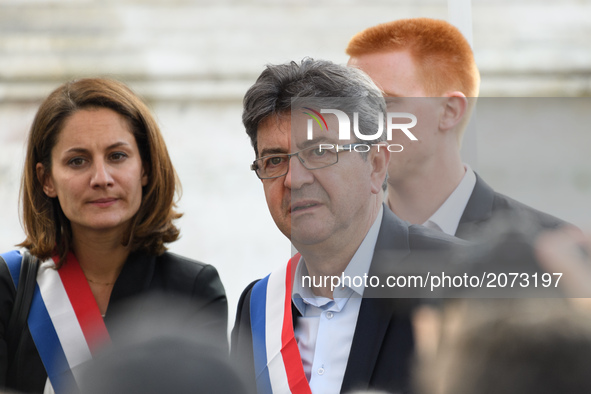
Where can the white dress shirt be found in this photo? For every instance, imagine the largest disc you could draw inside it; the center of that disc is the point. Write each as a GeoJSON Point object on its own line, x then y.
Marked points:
{"type": "Point", "coordinates": [324, 332]}
{"type": "Point", "coordinates": [447, 218]}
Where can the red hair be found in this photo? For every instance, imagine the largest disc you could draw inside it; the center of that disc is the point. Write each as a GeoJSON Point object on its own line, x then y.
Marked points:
{"type": "Point", "coordinates": [443, 57]}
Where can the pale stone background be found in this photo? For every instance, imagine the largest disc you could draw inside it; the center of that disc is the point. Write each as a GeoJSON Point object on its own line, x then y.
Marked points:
{"type": "Point", "coordinates": [193, 61]}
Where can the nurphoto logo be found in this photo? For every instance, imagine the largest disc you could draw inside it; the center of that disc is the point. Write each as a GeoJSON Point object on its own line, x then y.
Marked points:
{"type": "Point", "coordinates": [345, 127]}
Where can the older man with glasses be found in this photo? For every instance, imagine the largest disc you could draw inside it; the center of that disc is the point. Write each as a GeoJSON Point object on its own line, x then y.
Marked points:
{"type": "Point", "coordinates": [298, 330]}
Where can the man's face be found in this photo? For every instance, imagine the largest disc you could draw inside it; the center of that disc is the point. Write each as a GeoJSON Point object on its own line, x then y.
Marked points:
{"type": "Point", "coordinates": [329, 204]}
{"type": "Point", "coordinates": [396, 74]}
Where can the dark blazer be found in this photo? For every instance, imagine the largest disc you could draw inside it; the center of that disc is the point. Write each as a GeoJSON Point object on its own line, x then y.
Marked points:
{"type": "Point", "coordinates": [383, 341]}
{"type": "Point", "coordinates": [141, 275]}
{"type": "Point", "coordinates": [487, 208]}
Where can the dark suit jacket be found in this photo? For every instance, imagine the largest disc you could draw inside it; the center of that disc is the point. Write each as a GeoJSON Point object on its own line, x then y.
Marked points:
{"type": "Point", "coordinates": [383, 340]}
{"type": "Point", "coordinates": [487, 209]}
{"type": "Point", "coordinates": [141, 274]}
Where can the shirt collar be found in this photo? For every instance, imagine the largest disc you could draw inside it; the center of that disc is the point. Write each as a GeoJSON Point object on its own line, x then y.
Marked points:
{"type": "Point", "coordinates": [357, 268]}
{"type": "Point", "coordinates": [447, 217]}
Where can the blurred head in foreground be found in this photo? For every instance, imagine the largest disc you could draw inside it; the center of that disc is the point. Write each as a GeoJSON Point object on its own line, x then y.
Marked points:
{"type": "Point", "coordinates": [535, 346]}
{"type": "Point", "coordinates": [159, 349]}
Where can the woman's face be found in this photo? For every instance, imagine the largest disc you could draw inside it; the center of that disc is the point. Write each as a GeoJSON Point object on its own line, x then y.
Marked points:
{"type": "Point", "coordinates": [96, 171]}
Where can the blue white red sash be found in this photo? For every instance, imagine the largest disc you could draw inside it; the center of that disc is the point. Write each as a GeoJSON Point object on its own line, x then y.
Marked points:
{"type": "Point", "coordinates": [277, 360]}
{"type": "Point", "coordinates": [64, 319]}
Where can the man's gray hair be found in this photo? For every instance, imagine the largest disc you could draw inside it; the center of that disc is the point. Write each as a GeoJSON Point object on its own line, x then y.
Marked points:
{"type": "Point", "coordinates": [281, 86]}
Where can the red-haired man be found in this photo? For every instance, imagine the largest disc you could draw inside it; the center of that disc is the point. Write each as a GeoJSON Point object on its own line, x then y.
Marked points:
{"type": "Point", "coordinates": [426, 67]}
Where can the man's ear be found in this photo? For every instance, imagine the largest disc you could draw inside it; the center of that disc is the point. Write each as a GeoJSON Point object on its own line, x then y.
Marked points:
{"type": "Point", "coordinates": [455, 106]}
{"type": "Point", "coordinates": [45, 180]}
{"type": "Point", "coordinates": [379, 159]}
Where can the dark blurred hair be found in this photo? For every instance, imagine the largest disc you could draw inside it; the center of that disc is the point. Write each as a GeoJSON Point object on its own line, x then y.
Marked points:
{"type": "Point", "coordinates": [527, 346]}
{"type": "Point", "coordinates": [47, 229]}
{"type": "Point", "coordinates": [161, 343]}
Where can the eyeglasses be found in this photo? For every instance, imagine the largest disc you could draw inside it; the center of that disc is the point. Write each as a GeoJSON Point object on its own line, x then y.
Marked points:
{"type": "Point", "coordinates": [312, 158]}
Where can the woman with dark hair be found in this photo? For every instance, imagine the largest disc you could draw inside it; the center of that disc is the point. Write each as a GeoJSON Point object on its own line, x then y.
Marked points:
{"type": "Point", "coordinates": [97, 199]}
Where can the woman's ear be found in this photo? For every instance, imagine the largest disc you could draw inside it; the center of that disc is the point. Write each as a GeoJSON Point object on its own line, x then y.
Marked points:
{"type": "Point", "coordinates": [45, 180]}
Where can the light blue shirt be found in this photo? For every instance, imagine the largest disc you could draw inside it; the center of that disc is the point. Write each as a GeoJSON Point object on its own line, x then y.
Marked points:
{"type": "Point", "coordinates": [325, 331]}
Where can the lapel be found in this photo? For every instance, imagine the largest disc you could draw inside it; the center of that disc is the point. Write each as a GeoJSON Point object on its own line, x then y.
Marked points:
{"type": "Point", "coordinates": [478, 209]}
{"type": "Point", "coordinates": [295, 313]}
{"type": "Point", "coordinates": [375, 314]}
{"type": "Point", "coordinates": [135, 277]}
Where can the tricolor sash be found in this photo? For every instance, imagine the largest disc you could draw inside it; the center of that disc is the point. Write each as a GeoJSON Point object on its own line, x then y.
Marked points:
{"type": "Point", "coordinates": [277, 360]}
{"type": "Point", "coordinates": [64, 319]}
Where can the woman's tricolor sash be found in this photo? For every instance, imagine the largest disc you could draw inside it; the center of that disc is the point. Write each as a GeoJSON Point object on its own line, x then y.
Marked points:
{"type": "Point", "coordinates": [64, 319]}
{"type": "Point", "coordinates": [278, 365]}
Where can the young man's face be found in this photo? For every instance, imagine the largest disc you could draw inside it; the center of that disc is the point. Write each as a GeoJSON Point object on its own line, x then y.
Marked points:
{"type": "Point", "coordinates": [396, 74]}
{"type": "Point", "coordinates": [321, 205]}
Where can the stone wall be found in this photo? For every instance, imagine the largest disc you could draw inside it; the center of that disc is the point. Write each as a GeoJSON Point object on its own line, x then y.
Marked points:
{"type": "Point", "coordinates": [214, 49]}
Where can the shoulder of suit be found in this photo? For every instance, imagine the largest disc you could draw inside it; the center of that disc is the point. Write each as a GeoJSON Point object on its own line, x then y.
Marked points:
{"type": "Point", "coordinates": [175, 261]}
{"type": "Point", "coordinates": [247, 291]}
{"type": "Point", "coordinates": [243, 306]}
{"type": "Point", "coordinates": [170, 257]}
{"type": "Point", "coordinates": [507, 205]}
{"type": "Point", "coordinates": [421, 237]}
